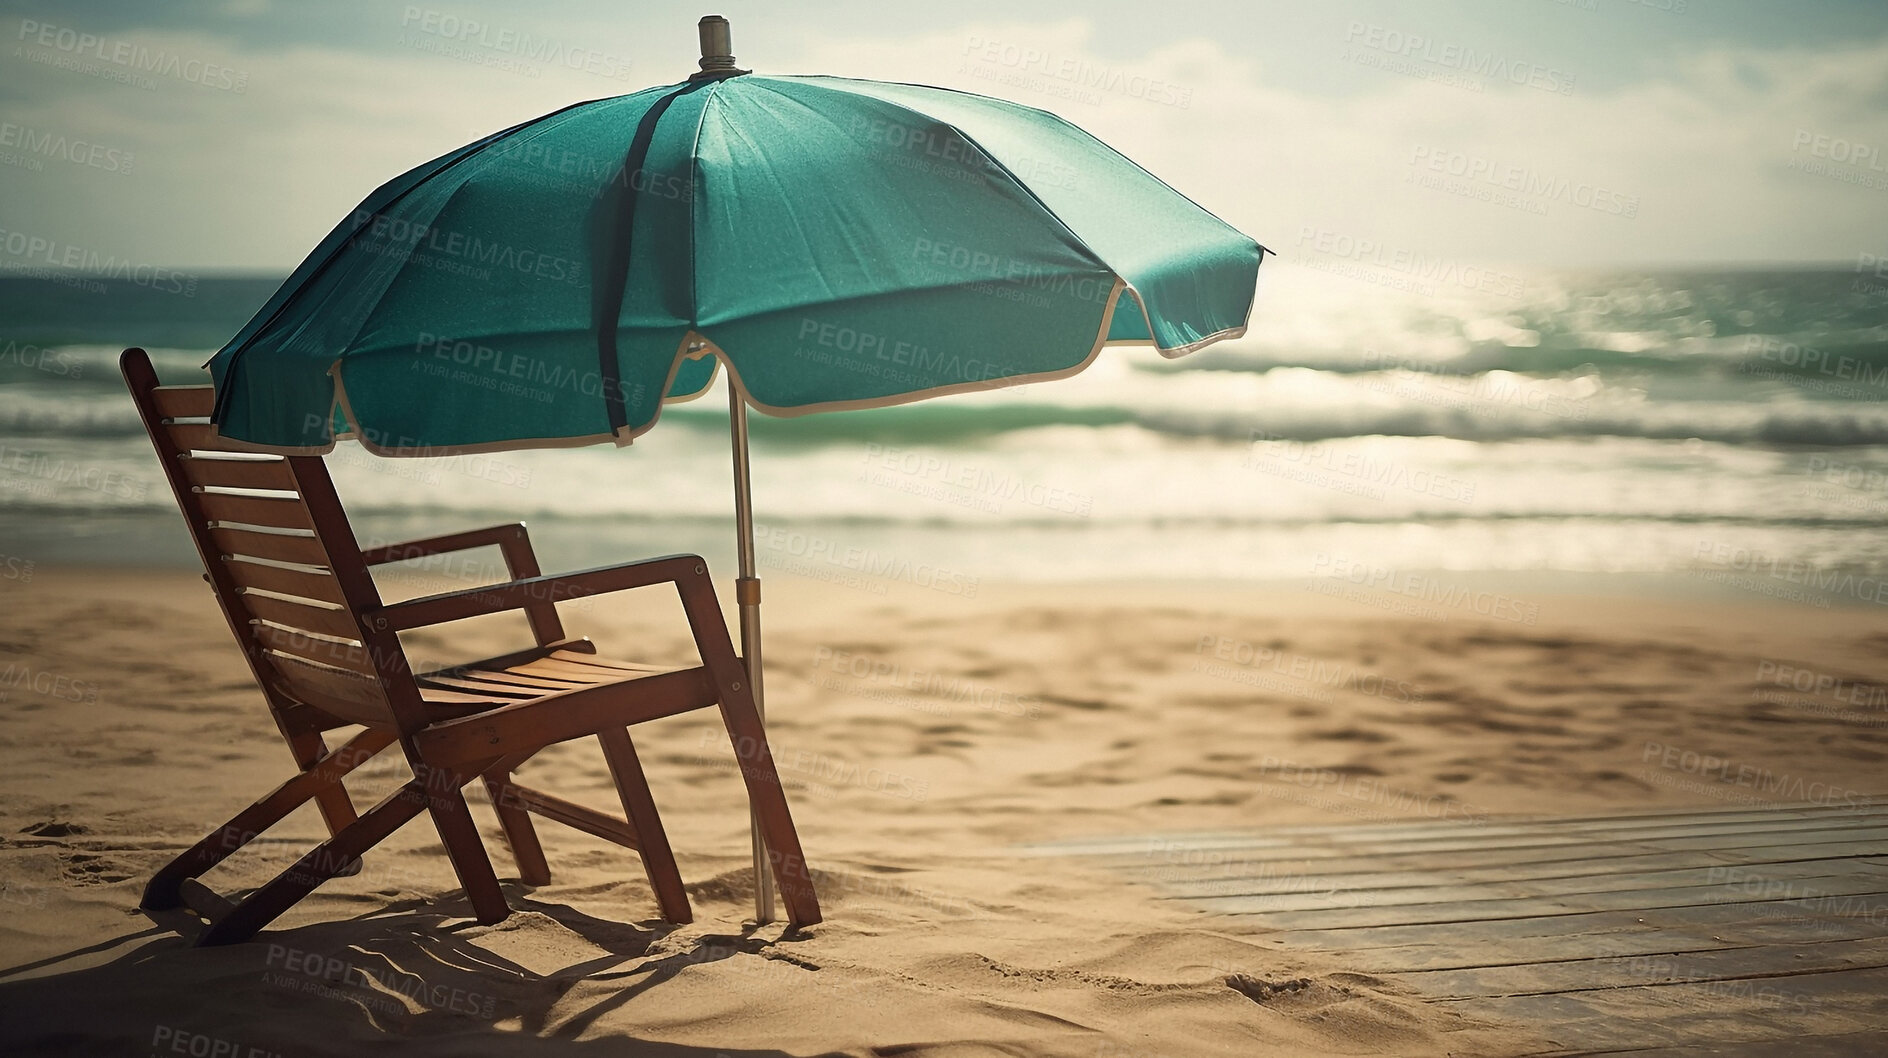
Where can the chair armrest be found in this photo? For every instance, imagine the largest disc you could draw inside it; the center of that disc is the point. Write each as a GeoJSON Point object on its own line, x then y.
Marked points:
{"type": "Point", "coordinates": [510, 539]}
{"type": "Point", "coordinates": [513, 543]}
{"type": "Point", "coordinates": [534, 592]}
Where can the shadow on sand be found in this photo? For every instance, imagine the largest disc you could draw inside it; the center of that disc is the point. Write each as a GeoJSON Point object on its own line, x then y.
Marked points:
{"type": "Point", "coordinates": [412, 975]}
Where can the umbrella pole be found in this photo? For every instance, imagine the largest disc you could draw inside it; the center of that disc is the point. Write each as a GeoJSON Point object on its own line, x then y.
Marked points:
{"type": "Point", "coordinates": [747, 594]}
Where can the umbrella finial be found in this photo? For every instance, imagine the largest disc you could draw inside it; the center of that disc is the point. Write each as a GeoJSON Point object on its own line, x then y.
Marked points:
{"type": "Point", "coordinates": [717, 49]}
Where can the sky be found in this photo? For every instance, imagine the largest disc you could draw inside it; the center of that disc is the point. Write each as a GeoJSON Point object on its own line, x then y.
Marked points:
{"type": "Point", "coordinates": [231, 135]}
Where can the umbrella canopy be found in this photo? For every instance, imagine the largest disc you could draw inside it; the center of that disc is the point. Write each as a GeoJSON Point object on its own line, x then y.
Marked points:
{"type": "Point", "coordinates": [836, 243]}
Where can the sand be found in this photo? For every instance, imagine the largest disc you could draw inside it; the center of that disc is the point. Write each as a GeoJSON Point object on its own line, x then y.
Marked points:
{"type": "Point", "coordinates": [927, 739]}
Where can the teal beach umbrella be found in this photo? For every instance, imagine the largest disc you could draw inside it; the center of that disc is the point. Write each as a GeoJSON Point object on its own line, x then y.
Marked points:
{"type": "Point", "coordinates": [831, 243]}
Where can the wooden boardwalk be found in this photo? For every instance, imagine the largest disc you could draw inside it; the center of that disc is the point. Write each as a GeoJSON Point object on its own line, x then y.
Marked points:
{"type": "Point", "coordinates": [1697, 932]}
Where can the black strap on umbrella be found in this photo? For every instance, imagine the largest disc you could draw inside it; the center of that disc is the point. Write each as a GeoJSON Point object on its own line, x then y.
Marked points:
{"type": "Point", "coordinates": [618, 211]}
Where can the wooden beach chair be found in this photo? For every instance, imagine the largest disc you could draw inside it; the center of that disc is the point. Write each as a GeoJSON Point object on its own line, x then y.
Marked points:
{"type": "Point", "coordinates": [295, 587]}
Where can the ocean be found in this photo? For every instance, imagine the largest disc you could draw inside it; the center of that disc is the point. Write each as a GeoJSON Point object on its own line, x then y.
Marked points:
{"type": "Point", "coordinates": [1721, 431]}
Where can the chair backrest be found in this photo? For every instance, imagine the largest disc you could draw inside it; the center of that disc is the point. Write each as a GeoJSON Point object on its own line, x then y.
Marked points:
{"type": "Point", "coordinates": [278, 549]}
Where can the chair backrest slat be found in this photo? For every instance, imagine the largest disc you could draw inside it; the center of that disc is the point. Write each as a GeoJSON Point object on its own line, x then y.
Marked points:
{"type": "Point", "coordinates": [183, 402]}
{"type": "Point", "coordinates": [290, 581]}
{"type": "Point", "coordinates": [303, 549]}
{"type": "Point", "coordinates": [205, 470]}
{"type": "Point", "coordinates": [348, 695]}
{"type": "Point", "coordinates": [279, 511]}
{"type": "Point", "coordinates": [307, 583]}
{"type": "Point", "coordinates": [299, 616]}
{"type": "Point", "coordinates": [341, 655]}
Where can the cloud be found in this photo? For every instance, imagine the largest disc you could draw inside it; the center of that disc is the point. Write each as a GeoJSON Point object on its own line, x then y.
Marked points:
{"type": "Point", "coordinates": [1727, 153]}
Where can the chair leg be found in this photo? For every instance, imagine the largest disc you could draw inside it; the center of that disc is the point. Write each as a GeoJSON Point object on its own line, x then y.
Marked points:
{"type": "Point", "coordinates": [326, 860]}
{"type": "Point", "coordinates": [526, 850]}
{"type": "Point", "coordinates": [464, 847]}
{"type": "Point", "coordinates": [658, 860]}
{"type": "Point", "coordinates": [163, 890]}
{"type": "Point", "coordinates": [745, 730]}
{"type": "Point", "coordinates": [337, 809]}
{"type": "Point", "coordinates": [769, 802]}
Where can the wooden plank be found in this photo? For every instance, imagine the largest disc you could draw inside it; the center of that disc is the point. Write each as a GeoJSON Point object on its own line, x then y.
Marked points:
{"type": "Point", "coordinates": [252, 473]}
{"type": "Point", "coordinates": [1227, 863]}
{"type": "Point", "coordinates": [307, 583]}
{"type": "Point", "coordinates": [302, 550]}
{"type": "Point", "coordinates": [1704, 924]}
{"type": "Point", "coordinates": [1324, 833]}
{"type": "Point", "coordinates": [1467, 910]}
{"type": "Point", "coordinates": [183, 402]}
{"type": "Point", "coordinates": [1618, 872]}
{"type": "Point", "coordinates": [1869, 1043]}
{"type": "Point", "coordinates": [351, 656]}
{"type": "Point", "coordinates": [571, 814]}
{"type": "Point", "coordinates": [1777, 1009]}
{"type": "Point", "coordinates": [328, 621]}
{"type": "Point", "coordinates": [572, 714]}
{"type": "Point", "coordinates": [280, 512]}
{"type": "Point", "coordinates": [345, 694]}
{"type": "Point", "coordinates": [197, 435]}
{"type": "Point", "coordinates": [1652, 968]}
{"type": "Point", "coordinates": [1869, 841]}
{"type": "Point", "coordinates": [1397, 904]}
